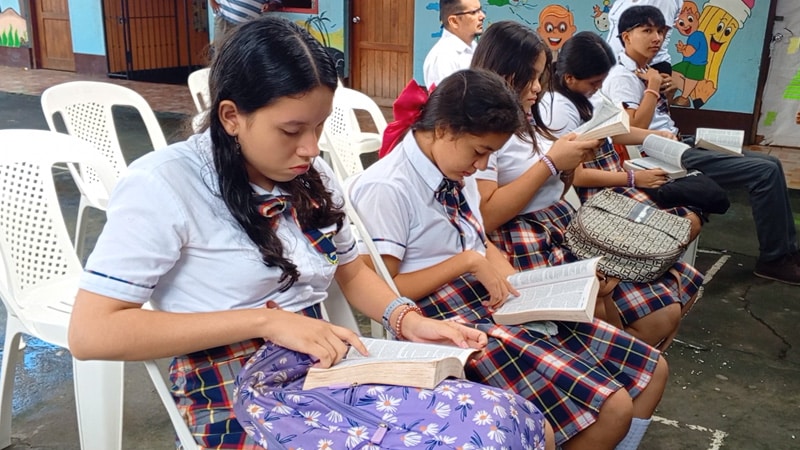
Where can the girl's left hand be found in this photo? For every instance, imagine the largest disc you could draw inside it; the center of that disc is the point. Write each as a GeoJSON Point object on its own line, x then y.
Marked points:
{"type": "Point", "coordinates": [666, 134]}
{"type": "Point", "coordinates": [417, 328]}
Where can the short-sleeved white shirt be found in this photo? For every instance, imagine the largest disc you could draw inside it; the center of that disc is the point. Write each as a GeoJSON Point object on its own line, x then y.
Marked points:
{"type": "Point", "coordinates": [558, 113]}
{"type": "Point", "coordinates": [449, 55]}
{"type": "Point", "coordinates": [669, 8]}
{"type": "Point", "coordinates": [169, 238]}
{"type": "Point", "coordinates": [514, 159]}
{"type": "Point", "coordinates": [396, 198]}
{"type": "Point", "coordinates": [623, 86]}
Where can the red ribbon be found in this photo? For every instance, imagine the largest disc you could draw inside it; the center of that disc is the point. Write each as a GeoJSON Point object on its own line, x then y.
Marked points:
{"type": "Point", "coordinates": [407, 109]}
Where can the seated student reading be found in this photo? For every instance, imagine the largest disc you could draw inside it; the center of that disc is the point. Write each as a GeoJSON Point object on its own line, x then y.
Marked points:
{"type": "Point", "coordinates": [597, 385]}
{"type": "Point", "coordinates": [234, 237]}
{"type": "Point", "coordinates": [635, 85]}
{"type": "Point", "coordinates": [522, 194]}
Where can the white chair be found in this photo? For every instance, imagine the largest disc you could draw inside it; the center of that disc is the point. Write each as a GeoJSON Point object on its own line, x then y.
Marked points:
{"type": "Point", "coordinates": [344, 132]}
{"type": "Point", "coordinates": [198, 86]}
{"type": "Point", "coordinates": [41, 271]}
{"type": "Point", "coordinates": [86, 109]}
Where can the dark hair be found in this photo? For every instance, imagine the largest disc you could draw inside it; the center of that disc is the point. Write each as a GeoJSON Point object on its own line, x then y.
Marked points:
{"type": "Point", "coordinates": [584, 55]}
{"type": "Point", "coordinates": [510, 50]}
{"type": "Point", "coordinates": [447, 8]}
{"type": "Point", "coordinates": [639, 16]}
{"type": "Point", "coordinates": [262, 61]}
{"type": "Point", "coordinates": [473, 102]}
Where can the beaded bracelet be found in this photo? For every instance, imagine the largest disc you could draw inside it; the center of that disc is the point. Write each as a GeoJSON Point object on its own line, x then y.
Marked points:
{"type": "Point", "coordinates": [548, 161]}
{"type": "Point", "coordinates": [398, 332]}
{"type": "Point", "coordinates": [652, 91]}
{"type": "Point", "coordinates": [387, 313]}
{"type": "Point", "coordinates": [631, 178]}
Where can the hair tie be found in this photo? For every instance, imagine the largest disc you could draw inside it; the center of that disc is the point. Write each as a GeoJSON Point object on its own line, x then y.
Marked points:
{"type": "Point", "coordinates": [406, 109]}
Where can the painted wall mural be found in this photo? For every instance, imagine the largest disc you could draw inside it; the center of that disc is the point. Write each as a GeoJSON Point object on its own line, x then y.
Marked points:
{"type": "Point", "coordinates": [13, 28]}
{"type": "Point", "coordinates": [730, 33]}
{"type": "Point", "coordinates": [327, 26]}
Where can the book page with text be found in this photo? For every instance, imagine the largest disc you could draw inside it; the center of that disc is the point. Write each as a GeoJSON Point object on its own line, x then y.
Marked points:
{"type": "Point", "coordinates": [664, 149]}
{"type": "Point", "coordinates": [563, 272]}
{"type": "Point", "coordinates": [731, 140]}
{"type": "Point", "coordinates": [388, 350]}
{"type": "Point", "coordinates": [566, 295]}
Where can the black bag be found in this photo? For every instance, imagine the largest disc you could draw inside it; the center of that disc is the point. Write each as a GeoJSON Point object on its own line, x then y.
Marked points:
{"type": "Point", "coordinates": [694, 190]}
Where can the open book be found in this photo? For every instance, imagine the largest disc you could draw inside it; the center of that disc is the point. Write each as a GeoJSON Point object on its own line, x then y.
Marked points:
{"type": "Point", "coordinates": [396, 363]}
{"type": "Point", "coordinates": [662, 153]}
{"type": "Point", "coordinates": [726, 141]}
{"type": "Point", "coordinates": [607, 120]}
{"type": "Point", "coordinates": [566, 293]}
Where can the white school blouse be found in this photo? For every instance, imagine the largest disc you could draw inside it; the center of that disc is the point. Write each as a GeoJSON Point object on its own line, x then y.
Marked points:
{"type": "Point", "coordinates": [514, 159]}
{"type": "Point", "coordinates": [169, 238]}
{"type": "Point", "coordinates": [395, 197]}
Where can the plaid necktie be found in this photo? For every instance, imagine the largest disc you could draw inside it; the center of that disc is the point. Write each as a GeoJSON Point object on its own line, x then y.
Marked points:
{"type": "Point", "coordinates": [455, 204]}
{"type": "Point", "coordinates": [271, 206]}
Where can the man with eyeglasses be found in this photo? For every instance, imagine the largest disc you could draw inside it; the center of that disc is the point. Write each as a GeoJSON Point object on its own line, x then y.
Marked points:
{"type": "Point", "coordinates": [462, 22]}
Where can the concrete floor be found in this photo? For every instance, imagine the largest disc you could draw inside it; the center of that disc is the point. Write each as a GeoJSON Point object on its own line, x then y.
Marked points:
{"type": "Point", "coordinates": [734, 382]}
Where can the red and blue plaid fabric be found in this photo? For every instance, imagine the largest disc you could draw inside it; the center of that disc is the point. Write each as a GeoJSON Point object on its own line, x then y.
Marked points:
{"type": "Point", "coordinates": [537, 240]}
{"type": "Point", "coordinates": [449, 194]}
{"type": "Point", "coordinates": [203, 384]}
{"type": "Point", "coordinates": [607, 159]}
{"type": "Point", "coordinates": [568, 375]}
{"type": "Point", "coordinates": [272, 206]}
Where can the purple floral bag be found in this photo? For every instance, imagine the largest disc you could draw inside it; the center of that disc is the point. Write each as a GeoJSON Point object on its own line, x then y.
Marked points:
{"type": "Point", "coordinates": [278, 414]}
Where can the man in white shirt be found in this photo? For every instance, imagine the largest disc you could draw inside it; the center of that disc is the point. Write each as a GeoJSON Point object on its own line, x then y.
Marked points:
{"type": "Point", "coordinates": [463, 22]}
{"type": "Point", "coordinates": [669, 8]}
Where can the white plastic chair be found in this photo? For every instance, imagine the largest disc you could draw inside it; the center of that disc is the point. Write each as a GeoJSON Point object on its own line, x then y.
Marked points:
{"type": "Point", "coordinates": [344, 132]}
{"type": "Point", "coordinates": [41, 272]}
{"type": "Point", "coordinates": [85, 107]}
{"type": "Point", "coordinates": [198, 86]}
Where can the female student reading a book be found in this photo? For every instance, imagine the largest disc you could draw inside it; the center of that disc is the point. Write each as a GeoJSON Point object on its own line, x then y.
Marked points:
{"type": "Point", "coordinates": [570, 102]}
{"type": "Point", "coordinates": [521, 194]}
{"type": "Point", "coordinates": [590, 378]}
{"type": "Point", "coordinates": [234, 237]}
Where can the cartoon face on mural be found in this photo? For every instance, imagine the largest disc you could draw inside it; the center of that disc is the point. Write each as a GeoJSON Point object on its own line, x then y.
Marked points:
{"type": "Point", "coordinates": [556, 25]}
{"type": "Point", "coordinates": [688, 20]}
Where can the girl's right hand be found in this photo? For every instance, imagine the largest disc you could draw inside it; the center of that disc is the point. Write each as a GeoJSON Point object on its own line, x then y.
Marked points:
{"type": "Point", "coordinates": [495, 282]}
{"type": "Point", "coordinates": [324, 342]}
{"type": "Point", "coordinates": [650, 178]}
{"type": "Point", "coordinates": [568, 153]}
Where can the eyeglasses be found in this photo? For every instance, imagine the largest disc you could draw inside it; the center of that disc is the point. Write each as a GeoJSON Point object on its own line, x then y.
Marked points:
{"type": "Point", "coordinates": [471, 12]}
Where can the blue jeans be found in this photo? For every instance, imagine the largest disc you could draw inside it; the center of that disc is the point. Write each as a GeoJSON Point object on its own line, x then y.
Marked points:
{"type": "Point", "coordinates": [763, 176]}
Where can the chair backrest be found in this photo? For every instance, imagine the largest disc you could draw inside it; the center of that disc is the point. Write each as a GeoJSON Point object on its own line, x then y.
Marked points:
{"type": "Point", "coordinates": [85, 107]}
{"type": "Point", "coordinates": [34, 241]}
{"type": "Point", "coordinates": [198, 86]}
{"type": "Point", "coordinates": [344, 131]}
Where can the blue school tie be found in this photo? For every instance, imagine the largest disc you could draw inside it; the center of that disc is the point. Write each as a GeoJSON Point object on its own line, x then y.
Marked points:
{"type": "Point", "coordinates": [272, 206]}
{"type": "Point", "coordinates": [449, 194]}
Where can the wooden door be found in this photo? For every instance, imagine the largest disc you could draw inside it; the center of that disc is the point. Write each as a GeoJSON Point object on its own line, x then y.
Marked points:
{"type": "Point", "coordinates": [53, 35]}
{"type": "Point", "coordinates": [382, 47]}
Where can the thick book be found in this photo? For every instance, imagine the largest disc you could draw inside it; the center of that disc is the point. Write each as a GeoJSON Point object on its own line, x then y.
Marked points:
{"type": "Point", "coordinates": [398, 363]}
{"type": "Point", "coordinates": [607, 120]}
{"type": "Point", "coordinates": [662, 153]}
{"type": "Point", "coordinates": [721, 140]}
{"type": "Point", "coordinates": [567, 292]}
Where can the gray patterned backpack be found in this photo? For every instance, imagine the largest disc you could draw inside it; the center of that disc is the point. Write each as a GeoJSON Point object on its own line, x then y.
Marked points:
{"type": "Point", "coordinates": [637, 242]}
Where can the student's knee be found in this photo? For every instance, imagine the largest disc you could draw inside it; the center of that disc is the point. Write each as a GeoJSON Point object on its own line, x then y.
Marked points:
{"type": "Point", "coordinates": [617, 411]}
{"type": "Point", "coordinates": [549, 436]}
{"type": "Point", "coordinates": [657, 325]}
{"type": "Point", "coordinates": [696, 225]}
{"type": "Point", "coordinates": [660, 374]}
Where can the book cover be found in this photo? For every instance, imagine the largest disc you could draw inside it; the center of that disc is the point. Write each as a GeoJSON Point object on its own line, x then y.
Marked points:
{"type": "Point", "coordinates": [566, 292]}
{"type": "Point", "coordinates": [398, 363]}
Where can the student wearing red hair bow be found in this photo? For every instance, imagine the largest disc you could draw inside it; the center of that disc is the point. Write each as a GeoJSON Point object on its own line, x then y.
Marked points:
{"type": "Point", "coordinates": [420, 205]}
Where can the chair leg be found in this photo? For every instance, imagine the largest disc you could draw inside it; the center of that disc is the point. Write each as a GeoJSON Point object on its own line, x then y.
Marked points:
{"type": "Point", "coordinates": [98, 402]}
{"type": "Point", "coordinates": [11, 356]}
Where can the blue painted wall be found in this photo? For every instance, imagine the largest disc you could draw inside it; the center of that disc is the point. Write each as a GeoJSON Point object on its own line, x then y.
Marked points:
{"type": "Point", "coordinates": [86, 20]}
{"type": "Point", "coordinates": [738, 73]}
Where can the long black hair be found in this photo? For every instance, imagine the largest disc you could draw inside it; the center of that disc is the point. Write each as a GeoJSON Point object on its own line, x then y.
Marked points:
{"type": "Point", "coordinates": [262, 61]}
{"type": "Point", "coordinates": [584, 55]}
{"type": "Point", "coordinates": [510, 50]}
{"type": "Point", "coordinates": [472, 101]}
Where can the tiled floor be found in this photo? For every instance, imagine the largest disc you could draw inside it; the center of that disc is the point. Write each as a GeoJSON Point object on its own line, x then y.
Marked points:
{"type": "Point", "coordinates": [176, 99]}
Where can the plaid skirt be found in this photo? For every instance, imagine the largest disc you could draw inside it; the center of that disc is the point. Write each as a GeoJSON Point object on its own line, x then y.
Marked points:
{"type": "Point", "coordinates": [203, 385]}
{"type": "Point", "coordinates": [537, 240]}
{"type": "Point", "coordinates": [568, 374]}
{"type": "Point", "coordinates": [279, 414]}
